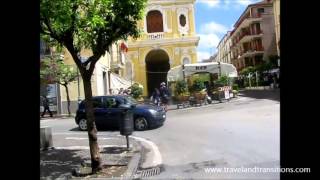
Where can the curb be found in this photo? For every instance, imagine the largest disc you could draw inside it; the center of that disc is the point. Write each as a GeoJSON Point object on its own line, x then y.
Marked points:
{"type": "Point", "coordinates": [132, 166]}
{"type": "Point", "coordinates": [207, 105]}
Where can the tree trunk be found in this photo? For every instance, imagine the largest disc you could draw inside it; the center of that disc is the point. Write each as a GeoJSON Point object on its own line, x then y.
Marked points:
{"type": "Point", "coordinates": [91, 126]}
{"type": "Point", "coordinates": [68, 98]}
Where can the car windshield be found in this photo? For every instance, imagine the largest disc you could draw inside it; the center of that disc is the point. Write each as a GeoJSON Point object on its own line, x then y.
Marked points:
{"type": "Point", "coordinates": [130, 100]}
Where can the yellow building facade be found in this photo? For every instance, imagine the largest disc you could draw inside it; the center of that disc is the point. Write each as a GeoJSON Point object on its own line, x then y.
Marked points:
{"type": "Point", "coordinates": [168, 40]}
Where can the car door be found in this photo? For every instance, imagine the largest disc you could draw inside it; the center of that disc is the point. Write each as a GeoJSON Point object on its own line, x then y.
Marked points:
{"type": "Point", "coordinates": [114, 113]}
{"type": "Point", "coordinates": [99, 111]}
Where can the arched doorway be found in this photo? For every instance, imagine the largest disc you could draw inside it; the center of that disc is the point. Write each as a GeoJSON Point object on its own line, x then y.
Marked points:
{"type": "Point", "coordinates": [157, 67]}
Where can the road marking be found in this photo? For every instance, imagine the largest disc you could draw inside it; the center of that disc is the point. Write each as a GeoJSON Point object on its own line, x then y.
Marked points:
{"type": "Point", "coordinates": [80, 138]}
{"type": "Point", "coordinates": [157, 159]}
{"type": "Point", "coordinates": [87, 147]}
{"type": "Point", "coordinates": [46, 121]}
{"type": "Point", "coordinates": [83, 133]}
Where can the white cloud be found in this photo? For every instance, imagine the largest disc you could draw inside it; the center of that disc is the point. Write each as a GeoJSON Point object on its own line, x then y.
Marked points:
{"type": "Point", "coordinates": [227, 4]}
{"type": "Point", "coordinates": [203, 55]}
{"type": "Point", "coordinates": [246, 2]}
{"type": "Point", "coordinates": [210, 3]}
{"type": "Point", "coordinates": [210, 35]}
{"type": "Point", "coordinates": [213, 27]}
{"type": "Point", "coordinates": [208, 41]}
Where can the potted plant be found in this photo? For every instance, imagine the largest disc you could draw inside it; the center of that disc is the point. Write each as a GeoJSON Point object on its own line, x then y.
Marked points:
{"type": "Point", "coordinates": [136, 92]}
{"type": "Point", "coordinates": [222, 81]}
{"type": "Point", "coordinates": [182, 91]}
{"type": "Point", "coordinates": [235, 90]}
{"type": "Point", "coordinates": [198, 88]}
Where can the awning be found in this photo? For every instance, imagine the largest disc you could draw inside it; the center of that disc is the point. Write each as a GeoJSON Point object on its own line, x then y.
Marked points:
{"type": "Point", "coordinates": [176, 73]}
{"type": "Point", "coordinates": [116, 83]}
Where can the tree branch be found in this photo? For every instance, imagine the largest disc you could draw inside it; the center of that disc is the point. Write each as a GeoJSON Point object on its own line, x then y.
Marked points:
{"type": "Point", "coordinates": [94, 60]}
{"type": "Point", "coordinates": [68, 43]}
{"type": "Point", "coordinates": [52, 33]}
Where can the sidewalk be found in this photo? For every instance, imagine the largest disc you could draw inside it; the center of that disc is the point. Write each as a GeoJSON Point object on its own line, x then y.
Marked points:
{"type": "Point", "coordinates": [57, 117]}
{"type": "Point", "coordinates": [60, 162]}
{"type": "Point", "coordinates": [175, 107]}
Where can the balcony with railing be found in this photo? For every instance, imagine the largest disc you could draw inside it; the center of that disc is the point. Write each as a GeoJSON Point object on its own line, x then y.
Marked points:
{"type": "Point", "coordinates": [252, 51]}
{"type": "Point", "coordinates": [246, 21]}
{"type": "Point", "coordinates": [246, 37]}
{"type": "Point", "coordinates": [155, 36]}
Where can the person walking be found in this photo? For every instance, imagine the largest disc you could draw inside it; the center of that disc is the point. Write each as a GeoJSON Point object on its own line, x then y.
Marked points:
{"type": "Point", "coordinates": [45, 103]}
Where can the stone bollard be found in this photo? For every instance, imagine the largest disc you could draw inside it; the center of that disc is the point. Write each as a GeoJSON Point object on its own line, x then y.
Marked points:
{"type": "Point", "coordinates": [45, 138]}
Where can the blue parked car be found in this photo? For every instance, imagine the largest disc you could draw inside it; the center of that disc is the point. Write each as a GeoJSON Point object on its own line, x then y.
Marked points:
{"type": "Point", "coordinates": [107, 113]}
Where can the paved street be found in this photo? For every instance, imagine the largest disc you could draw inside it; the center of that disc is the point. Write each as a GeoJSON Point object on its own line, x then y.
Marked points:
{"type": "Point", "coordinates": [244, 132]}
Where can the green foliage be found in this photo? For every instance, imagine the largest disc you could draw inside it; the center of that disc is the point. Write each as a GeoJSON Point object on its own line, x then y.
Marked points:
{"type": "Point", "coordinates": [90, 24]}
{"type": "Point", "coordinates": [263, 67]}
{"type": "Point", "coordinates": [223, 80]}
{"type": "Point", "coordinates": [235, 87]}
{"type": "Point", "coordinates": [181, 87]}
{"type": "Point", "coordinates": [136, 91]}
{"type": "Point", "coordinates": [55, 71]}
{"type": "Point", "coordinates": [247, 70]}
{"type": "Point", "coordinates": [198, 85]}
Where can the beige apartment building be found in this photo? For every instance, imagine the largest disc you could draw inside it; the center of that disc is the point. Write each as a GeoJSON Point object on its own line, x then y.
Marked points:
{"type": "Point", "coordinates": [253, 37]}
{"type": "Point", "coordinates": [276, 12]}
{"type": "Point", "coordinates": [224, 49]}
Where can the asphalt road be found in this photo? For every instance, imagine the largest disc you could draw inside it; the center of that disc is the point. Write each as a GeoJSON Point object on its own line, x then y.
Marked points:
{"type": "Point", "coordinates": [244, 132]}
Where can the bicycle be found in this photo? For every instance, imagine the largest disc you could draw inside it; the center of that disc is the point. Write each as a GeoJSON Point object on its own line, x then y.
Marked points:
{"type": "Point", "coordinates": [164, 104]}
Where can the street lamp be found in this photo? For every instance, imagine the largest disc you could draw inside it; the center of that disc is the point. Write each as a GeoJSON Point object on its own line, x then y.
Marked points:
{"type": "Point", "coordinates": [219, 68]}
{"type": "Point", "coordinates": [249, 76]}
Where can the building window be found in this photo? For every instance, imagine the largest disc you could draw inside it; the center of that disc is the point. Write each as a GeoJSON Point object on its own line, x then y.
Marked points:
{"type": "Point", "coordinates": [260, 10]}
{"type": "Point", "coordinates": [182, 20]}
{"type": "Point", "coordinates": [154, 22]}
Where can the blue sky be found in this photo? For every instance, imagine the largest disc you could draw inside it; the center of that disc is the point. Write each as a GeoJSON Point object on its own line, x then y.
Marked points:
{"type": "Point", "coordinates": [213, 19]}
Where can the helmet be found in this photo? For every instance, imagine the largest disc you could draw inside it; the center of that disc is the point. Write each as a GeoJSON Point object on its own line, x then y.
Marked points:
{"type": "Point", "coordinates": [163, 84]}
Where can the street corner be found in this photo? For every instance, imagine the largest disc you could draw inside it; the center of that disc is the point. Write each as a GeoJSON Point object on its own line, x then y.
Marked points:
{"type": "Point", "coordinates": [150, 154]}
{"type": "Point", "coordinates": [74, 161]}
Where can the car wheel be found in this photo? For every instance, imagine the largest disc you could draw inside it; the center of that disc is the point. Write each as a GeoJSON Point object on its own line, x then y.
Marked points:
{"type": "Point", "coordinates": [83, 124]}
{"type": "Point", "coordinates": [141, 124]}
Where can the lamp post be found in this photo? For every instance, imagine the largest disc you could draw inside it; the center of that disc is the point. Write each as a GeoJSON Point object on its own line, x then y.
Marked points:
{"type": "Point", "coordinates": [219, 66]}
{"type": "Point", "coordinates": [249, 80]}
{"type": "Point", "coordinates": [257, 79]}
